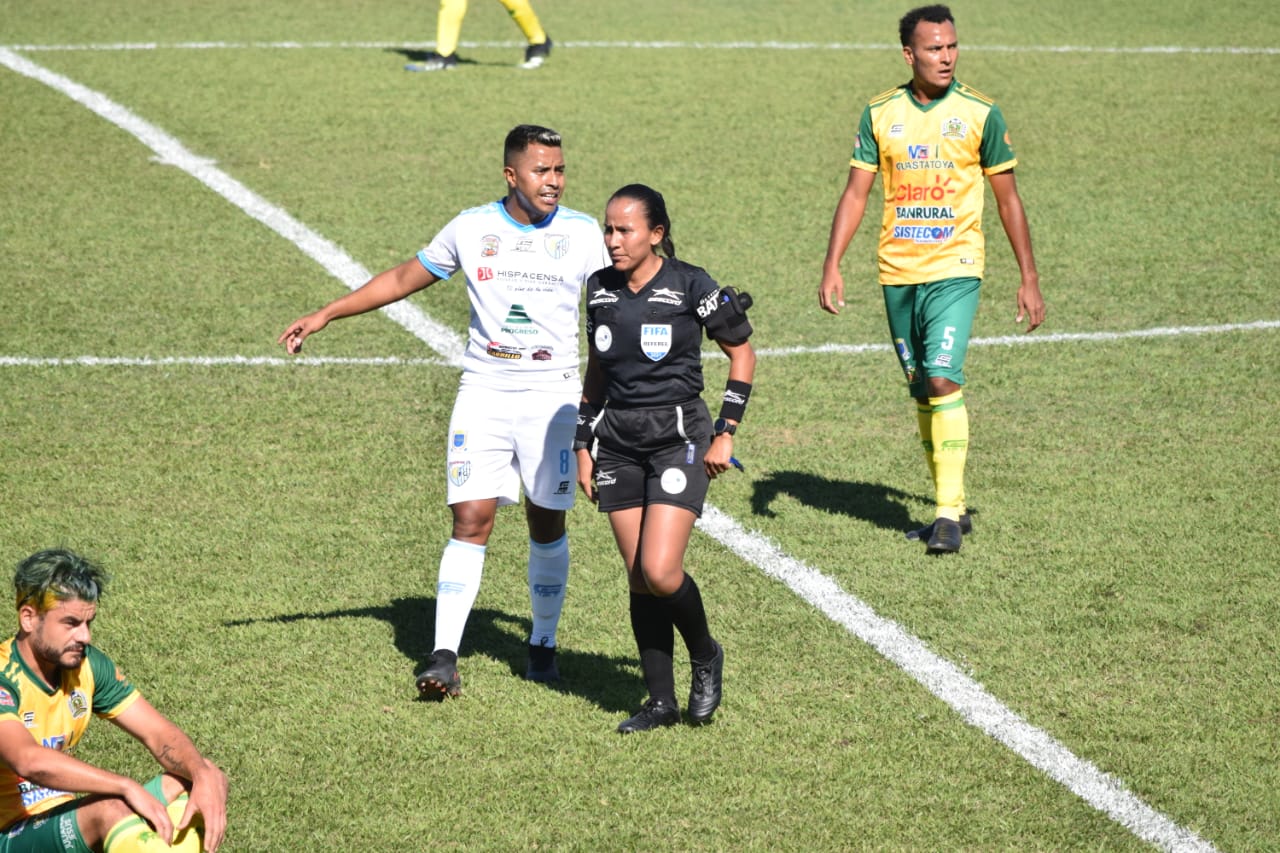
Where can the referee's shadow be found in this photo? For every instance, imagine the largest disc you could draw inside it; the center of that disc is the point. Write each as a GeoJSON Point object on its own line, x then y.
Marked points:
{"type": "Point", "coordinates": [878, 504]}
{"type": "Point", "coordinates": [609, 682]}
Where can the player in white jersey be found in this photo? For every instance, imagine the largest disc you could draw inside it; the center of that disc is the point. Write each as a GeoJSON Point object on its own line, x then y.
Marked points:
{"type": "Point", "coordinates": [525, 259]}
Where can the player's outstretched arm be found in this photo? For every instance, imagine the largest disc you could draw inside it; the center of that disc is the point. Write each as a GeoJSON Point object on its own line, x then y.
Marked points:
{"type": "Point", "coordinates": [178, 755]}
{"type": "Point", "coordinates": [844, 224]}
{"type": "Point", "coordinates": [52, 768]}
{"type": "Point", "coordinates": [384, 288]}
{"type": "Point", "coordinates": [1013, 217]}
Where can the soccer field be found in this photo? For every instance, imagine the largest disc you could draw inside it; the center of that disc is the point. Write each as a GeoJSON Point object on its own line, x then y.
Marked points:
{"type": "Point", "coordinates": [1095, 670]}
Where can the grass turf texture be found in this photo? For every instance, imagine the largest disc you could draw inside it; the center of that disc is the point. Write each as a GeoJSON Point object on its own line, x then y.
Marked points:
{"type": "Point", "coordinates": [275, 530]}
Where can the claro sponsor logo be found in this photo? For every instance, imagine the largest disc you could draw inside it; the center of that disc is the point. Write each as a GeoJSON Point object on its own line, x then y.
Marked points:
{"type": "Point", "coordinates": [934, 192]}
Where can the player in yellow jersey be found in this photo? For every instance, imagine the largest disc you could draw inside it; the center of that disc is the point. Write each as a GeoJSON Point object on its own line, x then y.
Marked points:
{"type": "Point", "coordinates": [933, 140]}
{"type": "Point", "coordinates": [51, 681]}
{"type": "Point", "coordinates": [449, 30]}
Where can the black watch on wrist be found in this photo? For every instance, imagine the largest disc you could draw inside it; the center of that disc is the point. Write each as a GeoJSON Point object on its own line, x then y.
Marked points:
{"type": "Point", "coordinates": [723, 426]}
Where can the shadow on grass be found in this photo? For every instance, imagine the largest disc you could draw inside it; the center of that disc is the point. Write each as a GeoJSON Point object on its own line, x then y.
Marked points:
{"type": "Point", "coordinates": [414, 55]}
{"type": "Point", "coordinates": [880, 505]}
{"type": "Point", "coordinates": [609, 682]}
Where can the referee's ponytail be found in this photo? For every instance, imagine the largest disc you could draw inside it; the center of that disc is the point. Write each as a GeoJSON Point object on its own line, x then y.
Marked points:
{"type": "Point", "coordinates": [655, 208]}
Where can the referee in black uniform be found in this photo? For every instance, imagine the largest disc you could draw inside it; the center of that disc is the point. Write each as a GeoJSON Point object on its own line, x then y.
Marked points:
{"type": "Point", "coordinates": [647, 447]}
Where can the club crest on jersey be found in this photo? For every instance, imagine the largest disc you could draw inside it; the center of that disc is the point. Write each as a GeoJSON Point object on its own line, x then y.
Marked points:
{"type": "Point", "coordinates": [459, 441]}
{"type": "Point", "coordinates": [954, 128]}
{"type": "Point", "coordinates": [655, 340]}
{"type": "Point", "coordinates": [78, 703]}
{"type": "Point", "coordinates": [557, 245]}
{"type": "Point", "coordinates": [489, 245]}
{"type": "Point", "coordinates": [459, 472]}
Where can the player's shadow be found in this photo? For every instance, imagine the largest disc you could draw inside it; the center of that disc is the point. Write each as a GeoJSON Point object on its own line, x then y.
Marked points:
{"type": "Point", "coordinates": [872, 502]}
{"type": "Point", "coordinates": [609, 682]}
{"type": "Point", "coordinates": [414, 55]}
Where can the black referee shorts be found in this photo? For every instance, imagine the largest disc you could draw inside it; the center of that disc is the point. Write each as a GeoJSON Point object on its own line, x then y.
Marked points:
{"type": "Point", "coordinates": [653, 456]}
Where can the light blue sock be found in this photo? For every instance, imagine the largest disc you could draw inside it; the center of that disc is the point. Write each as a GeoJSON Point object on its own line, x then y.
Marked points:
{"type": "Point", "coordinates": [548, 576]}
{"type": "Point", "coordinates": [461, 566]}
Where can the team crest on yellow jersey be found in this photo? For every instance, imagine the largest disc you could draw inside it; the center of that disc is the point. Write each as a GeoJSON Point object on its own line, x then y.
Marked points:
{"type": "Point", "coordinates": [954, 128]}
{"type": "Point", "coordinates": [78, 704]}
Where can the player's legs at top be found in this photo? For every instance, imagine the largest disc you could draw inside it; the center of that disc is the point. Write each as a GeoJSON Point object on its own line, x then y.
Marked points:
{"type": "Point", "coordinates": [526, 19]}
{"type": "Point", "coordinates": [448, 32]}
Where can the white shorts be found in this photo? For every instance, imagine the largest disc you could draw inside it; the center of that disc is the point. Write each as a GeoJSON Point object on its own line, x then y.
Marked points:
{"type": "Point", "coordinates": [500, 440]}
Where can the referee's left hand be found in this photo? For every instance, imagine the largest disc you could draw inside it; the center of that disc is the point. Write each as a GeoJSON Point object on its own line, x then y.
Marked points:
{"type": "Point", "coordinates": [718, 455]}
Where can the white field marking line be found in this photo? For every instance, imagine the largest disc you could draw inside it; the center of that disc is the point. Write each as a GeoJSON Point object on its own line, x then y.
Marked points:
{"type": "Point", "coordinates": [1230, 50]}
{"type": "Point", "coordinates": [822, 349]}
{"type": "Point", "coordinates": [939, 676]}
{"type": "Point", "coordinates": [171, 152]}
{"type": "Point", "coordinates": [220, 361]}
{"type": "Point", "coordinates": [1033, 338]}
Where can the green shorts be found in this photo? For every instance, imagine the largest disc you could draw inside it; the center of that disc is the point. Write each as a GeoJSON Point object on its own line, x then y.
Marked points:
{"type": "Point", "coordinates": [57, 829]}
{"type": "Point", "coordinates": [930, 326]}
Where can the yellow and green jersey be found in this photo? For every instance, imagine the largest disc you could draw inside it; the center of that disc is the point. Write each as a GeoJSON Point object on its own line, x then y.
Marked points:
{"type": "Point", "coordinates": [55, 716]}
{"type": "Point", "coordinates": [932, 159]}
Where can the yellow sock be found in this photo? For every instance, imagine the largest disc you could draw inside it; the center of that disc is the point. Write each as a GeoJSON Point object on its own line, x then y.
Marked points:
{"type": "Point", "coordinates": [449, 26]}
{"type": "Point", "coordinates": [924, 419]}
{"type": "Point", "coordinates": [526, 19]}
{"type": "Point", "coordinates": [135, 835]}
{"type": "Point", "coordinates": [950, 433]}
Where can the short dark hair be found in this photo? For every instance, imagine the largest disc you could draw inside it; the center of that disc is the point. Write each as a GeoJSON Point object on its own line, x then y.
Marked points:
{"type": "Point", "coordinates": [524, 135]}
{"type": "Point", "coordinates": [47, 577]}
{"type": "Point", "coordinates": [936, 14]}
{"type": "Point", "coordinates": [655, 212]}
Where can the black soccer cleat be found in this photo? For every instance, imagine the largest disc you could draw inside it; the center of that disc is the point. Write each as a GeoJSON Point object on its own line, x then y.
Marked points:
{"type": "Point", "coordinates": [923, 533]}
{"type": "Point", "coordinates": [946, 537]}
{"type": "Point", "coordinates": [708, 683]}
{"type": "Point", "coordinates": [434, 62]}
{"type": "Point", "coordinates": [536, 54]}
{"type": "Point", "coordinates": [542, 665]}
{"type": "Point", "coordinates": [440, 678]}
{"type": "Point", "coordinates": [656, 714]}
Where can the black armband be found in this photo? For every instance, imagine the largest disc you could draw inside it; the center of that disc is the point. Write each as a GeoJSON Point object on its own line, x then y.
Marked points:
{"type": "Point", "coordinates": [734, 405]}
{"type": "Point", "coordinates": [587, 415]}
{"type": "Point", "coordinates": [724, 316]}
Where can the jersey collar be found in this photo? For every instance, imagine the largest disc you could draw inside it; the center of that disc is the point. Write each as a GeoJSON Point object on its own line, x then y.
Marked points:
{"type": "Point", "coordinates": [506, 214]}
{"type": "Point", "coordinates": [911, 93]}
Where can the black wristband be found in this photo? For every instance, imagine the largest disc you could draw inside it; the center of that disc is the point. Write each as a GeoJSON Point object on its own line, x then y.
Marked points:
{"type": "Point", "coordinates": [587, 414]}
{"type": "Point", "coordinates": [734, 404]}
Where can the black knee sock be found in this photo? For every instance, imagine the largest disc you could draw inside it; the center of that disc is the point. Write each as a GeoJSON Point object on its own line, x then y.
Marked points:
{"type": "Point", "coordinates": [651, 624]}
{"type": "Point", "coordinates": [690, 618]}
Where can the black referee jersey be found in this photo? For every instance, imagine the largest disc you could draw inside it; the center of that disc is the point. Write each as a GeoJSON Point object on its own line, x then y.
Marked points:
{"type": "Point", "coordinates": [649, 344]}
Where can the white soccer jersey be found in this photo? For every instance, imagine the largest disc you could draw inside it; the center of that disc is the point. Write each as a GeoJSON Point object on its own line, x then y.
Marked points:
{"type": "Point", "coordinates": [525, 283]}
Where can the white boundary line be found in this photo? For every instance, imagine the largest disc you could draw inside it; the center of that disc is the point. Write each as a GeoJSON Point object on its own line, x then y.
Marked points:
{"type": "Point", "coordinates": [172, 152]}
{"type": "Point", "coordinates": [1228, 50]}
{"type": "Point", "coordinates": [822, 349]}
{"type": "Point", "coordinates": [941, 678]}
{"type": "Point", "coordinates": [978, 707]}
